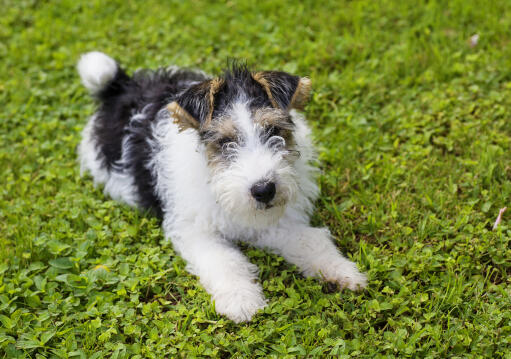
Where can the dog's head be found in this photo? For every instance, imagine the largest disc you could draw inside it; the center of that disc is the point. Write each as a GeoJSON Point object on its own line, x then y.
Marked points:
{"type": "Point", "coordinates": [244, 123]}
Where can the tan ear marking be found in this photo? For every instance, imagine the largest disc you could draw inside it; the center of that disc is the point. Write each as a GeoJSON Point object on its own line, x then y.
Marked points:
{"type": "Point", "coordinates": [259, 77]}
{"type": "Point", "coordinates": [181, 117]}
{"type": "Point", "coordinates": [301, 94]}
{"type": "Point", "coordinates": [215, 86]}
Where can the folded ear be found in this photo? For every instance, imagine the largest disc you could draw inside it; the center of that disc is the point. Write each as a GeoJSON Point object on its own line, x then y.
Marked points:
{"type": "Point", "coordinates": [284, 90]}
{"type": "Point", "coordinates": [181, 117]}
{"type": "Point", "coordinates": [194, 107]}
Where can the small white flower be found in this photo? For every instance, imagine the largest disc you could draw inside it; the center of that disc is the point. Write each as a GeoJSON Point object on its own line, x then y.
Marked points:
{"type": "Point", "coordinates": [474, 39]}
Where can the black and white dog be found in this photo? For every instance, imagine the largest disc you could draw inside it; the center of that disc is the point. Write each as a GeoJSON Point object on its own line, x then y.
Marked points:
{"type": "Point", "coordinates": [221, 160]}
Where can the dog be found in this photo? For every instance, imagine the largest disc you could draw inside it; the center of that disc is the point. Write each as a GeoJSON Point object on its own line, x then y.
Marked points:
{"type": "Point", "coordinates": [220, 160]}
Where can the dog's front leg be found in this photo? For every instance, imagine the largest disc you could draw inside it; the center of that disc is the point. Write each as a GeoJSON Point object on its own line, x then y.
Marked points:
{"type": "Point", "coordinates": [313, 251]}
{"type": "Point", "coordinates": [224, 272]}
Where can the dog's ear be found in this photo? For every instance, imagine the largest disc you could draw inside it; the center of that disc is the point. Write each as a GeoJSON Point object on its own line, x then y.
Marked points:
{"type": "Point", "coordinates": [194, 107]}
{"type": "Point", "coordinates": [284, 90]}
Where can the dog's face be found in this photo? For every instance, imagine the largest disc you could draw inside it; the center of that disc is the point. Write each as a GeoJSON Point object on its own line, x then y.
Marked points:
{"type": "Point", "coordinates": [247, 132]}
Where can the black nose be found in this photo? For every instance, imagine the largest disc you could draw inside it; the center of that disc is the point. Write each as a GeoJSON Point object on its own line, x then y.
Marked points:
{"type": "Point", "coordinates": [263, 191]}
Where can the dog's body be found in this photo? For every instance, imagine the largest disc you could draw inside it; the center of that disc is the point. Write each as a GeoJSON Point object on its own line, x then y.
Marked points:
{"type": "Point", "coordinates": [221, 160]}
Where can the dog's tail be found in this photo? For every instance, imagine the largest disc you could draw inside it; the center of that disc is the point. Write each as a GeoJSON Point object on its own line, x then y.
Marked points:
{"type": "Point", "coordinates": [97, 71]}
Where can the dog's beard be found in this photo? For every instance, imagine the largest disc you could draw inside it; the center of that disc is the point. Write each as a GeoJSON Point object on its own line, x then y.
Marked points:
{"type": "Point", "coordinates": [232, 190]}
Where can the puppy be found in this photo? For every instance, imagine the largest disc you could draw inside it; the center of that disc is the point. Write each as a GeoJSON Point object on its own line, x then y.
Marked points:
{"type": "Point", "coordinates": [220, 160]}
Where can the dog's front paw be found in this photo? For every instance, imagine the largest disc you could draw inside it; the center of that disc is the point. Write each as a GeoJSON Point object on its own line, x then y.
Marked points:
{"type": "Point", "coordinates": [347, 275]}
{"type": "Point", "coordinates": [354, 280]}
{"type": "Point", "coordinates": [239, 305]}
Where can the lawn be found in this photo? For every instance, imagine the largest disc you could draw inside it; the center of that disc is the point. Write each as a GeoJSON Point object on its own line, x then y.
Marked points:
{"type": "Point", "coordinates": [412, 122]}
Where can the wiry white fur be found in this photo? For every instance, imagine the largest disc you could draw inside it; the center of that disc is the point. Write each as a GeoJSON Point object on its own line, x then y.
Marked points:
{"type": "Point", "coordinates": [96, 69]}
{"type": "Point", "coordinates": [313, 251]}
{"type": "Point", "coordinates": [206, 211]}
{"type": "Point", "coordinates": [89, 155]}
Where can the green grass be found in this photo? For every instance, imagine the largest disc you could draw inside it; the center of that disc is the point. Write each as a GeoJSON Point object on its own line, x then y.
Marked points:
{"type": "Point", "coordinates": [414, 135]}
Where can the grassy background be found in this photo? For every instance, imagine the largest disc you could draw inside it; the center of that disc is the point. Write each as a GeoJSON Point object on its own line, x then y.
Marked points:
{"type": "Point", "coordinates": [414, 134]}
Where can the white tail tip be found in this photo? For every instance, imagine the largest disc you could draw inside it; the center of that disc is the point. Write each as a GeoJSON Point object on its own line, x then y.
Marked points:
{"type": "Point", "coordinates": [96, 69]}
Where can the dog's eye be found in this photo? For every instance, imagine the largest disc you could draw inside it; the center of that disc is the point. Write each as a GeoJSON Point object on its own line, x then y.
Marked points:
{"type": "Point", "coordinates": [273, 131]}
{"type": "Point", "coordinates": [225, 140]}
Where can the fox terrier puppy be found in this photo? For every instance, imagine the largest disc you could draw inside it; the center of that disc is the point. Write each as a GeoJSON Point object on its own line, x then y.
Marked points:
{"type": "Point", "coordinates": [220, 160]}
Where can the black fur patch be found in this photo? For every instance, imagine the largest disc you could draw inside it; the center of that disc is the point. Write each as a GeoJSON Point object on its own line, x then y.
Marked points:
{"type": "Point", "coordinates": [123, 97]}
{"type": "Point", "coordinates": [238, 82]}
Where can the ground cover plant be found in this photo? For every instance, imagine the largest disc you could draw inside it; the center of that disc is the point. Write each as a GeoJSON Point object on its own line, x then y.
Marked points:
{"type": "Point", "coordinates": [412, 121]}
